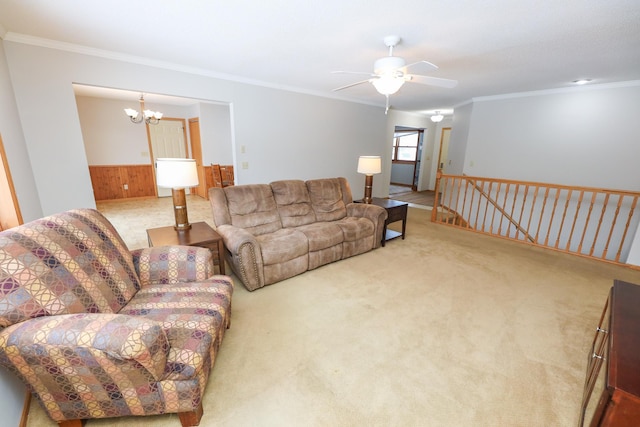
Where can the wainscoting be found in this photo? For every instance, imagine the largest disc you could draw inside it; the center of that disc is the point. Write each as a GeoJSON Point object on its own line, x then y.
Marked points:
{"type": "Point", "coordinates": [113, 182]}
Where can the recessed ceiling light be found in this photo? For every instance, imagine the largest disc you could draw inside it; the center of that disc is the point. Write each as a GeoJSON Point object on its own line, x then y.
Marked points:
{"type": "Point", "coordinates": [582, 81]}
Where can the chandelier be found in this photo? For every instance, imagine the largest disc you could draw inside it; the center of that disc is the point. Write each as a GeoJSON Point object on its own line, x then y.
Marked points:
{"type": "Point", "coordinates": [149, 117]}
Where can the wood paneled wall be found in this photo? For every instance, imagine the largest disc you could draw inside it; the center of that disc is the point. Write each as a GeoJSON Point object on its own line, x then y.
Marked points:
{"type": "Point", "coordinates": [122, 181]}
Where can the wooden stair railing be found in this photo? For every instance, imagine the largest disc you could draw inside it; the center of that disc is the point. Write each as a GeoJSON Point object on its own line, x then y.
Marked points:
{"type": "Point", "coordinates": [590, 222]}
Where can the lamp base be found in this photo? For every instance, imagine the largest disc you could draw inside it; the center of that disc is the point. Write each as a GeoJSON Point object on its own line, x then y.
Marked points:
{"type": "Point", "coordinates": [368, 185]}
{"type": "Point", "coordinates": [180, 209]}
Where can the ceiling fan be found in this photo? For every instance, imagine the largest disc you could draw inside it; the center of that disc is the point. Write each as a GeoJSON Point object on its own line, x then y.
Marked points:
{"type": "Point", "coordinates": [390, 73]}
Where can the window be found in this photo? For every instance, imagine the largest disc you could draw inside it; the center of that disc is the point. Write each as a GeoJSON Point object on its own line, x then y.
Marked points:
{"type": "Point", "coordinates": [405, 146]}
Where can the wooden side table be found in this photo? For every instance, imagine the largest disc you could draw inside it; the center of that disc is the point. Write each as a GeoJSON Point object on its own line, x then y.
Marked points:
{"type": "Point", "coordinates": [200, 234]}
{"type": "Point", "coordinates": [396, 211]}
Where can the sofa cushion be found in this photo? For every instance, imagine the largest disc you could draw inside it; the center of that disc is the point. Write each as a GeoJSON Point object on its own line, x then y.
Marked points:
{"type": "Point", "coordinates": [67, 263]}
{"type": "Point", "coordinates": [355, 228]}
{"type": "Point", "coordinates": [322, 235]}
{"type": "Point", "coordinates": [253, 208]}
{"type": "Point", "coordinates": [294, 204]}
{"type": "Point", "coordinates": [283, 245]}
{"type": "Point", "coordinates": [327, 199]}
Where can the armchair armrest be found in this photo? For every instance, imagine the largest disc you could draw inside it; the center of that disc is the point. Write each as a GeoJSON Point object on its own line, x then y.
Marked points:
{"type": "Point", "coordinates": [377, 215]}
{"type": "Point", "coordinates": [172, 264]}
{"type": "Point", "coordinates": [84, 345]}
{"type": "Point", "coordinates": [243, 254]}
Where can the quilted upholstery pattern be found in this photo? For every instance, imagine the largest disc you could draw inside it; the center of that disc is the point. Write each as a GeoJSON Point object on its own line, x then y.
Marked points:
{"type": "Point", "coordinates": [172, 264]}
{"type": "Point", "coordinates": [194, 316]}
{"type": "Point", "coordinates": [72, 262]}
{"type": "Point", "coordinates": [89, 338]}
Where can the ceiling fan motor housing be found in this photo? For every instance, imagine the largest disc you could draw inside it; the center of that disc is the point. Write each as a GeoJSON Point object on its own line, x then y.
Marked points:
{"type": "Point", "coordinates": [388, 64]}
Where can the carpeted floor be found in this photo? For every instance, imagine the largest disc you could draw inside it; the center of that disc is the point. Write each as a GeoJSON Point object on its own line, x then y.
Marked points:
{"type": "Point", "coordinates": [444, 328]}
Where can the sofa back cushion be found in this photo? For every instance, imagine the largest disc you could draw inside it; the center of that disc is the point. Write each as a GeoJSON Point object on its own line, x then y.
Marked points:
{"type": "Point", "coordinates": [253, 208]}
{"type": "Point", "coordinates": [72, 262]}
{"type": "Point", "coordinates": [294, 204]}
{"type": "Point", "coordinates": [327, 199]}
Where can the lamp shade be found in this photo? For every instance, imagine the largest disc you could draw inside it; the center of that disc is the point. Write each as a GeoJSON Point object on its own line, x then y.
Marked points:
{"type": "Point", "coordinates": [369, 165]}
{"type": "Point", "coordinates": [176, 173]}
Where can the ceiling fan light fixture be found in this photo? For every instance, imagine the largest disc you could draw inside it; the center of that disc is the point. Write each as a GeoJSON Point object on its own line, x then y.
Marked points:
{"type": "Point", "coordinates": [437, 117]}
{"type": "Point", "coordinates": [387, 85]}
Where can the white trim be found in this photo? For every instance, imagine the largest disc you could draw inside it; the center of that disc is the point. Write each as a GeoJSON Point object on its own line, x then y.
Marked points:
{"type": "Point", "coordinates": [124, 57]}
{"type": "Point", "coordinates": [544, 92]}
{"type": "Point", "coordinates": [463, 103]}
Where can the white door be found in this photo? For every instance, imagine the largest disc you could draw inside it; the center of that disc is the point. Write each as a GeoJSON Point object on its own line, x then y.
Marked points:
{"type": "Point", "coordinates": [167, 140]}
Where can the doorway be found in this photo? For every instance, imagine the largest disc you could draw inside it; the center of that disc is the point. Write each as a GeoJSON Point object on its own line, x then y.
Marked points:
{"type": "Point", "coordinates": [167, 139]}
{"type": "Point", "coordinates": [406, 157]}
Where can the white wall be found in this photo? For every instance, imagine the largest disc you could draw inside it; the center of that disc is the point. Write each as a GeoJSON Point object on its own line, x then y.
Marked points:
{"type": "Point", "coordinates": [109, 137]}
{"type": "Point", "coordinates": [285, 134]}
{"type": "Point", "coordinates": [216, 135]}
{"type": "Point", "coordinates": [586, 136]}
{"type": "Point", "coordinates": [458, 141]}
{"type": "Point", "coordinates": [15, 147]}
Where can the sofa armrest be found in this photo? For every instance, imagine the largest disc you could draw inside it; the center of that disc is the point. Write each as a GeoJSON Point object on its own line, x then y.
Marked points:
{"type": "Point", "coordinates": [83, 345]}
{"type": "Point", "coordinates": [172, 264]}
{"type": "Point", "coordinates": [244, 255]}
{"type": "Point", "coordinates": [377, 215]}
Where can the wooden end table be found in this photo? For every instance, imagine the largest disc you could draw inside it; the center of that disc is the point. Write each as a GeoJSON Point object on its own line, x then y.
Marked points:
{"type": "Point", "coordinates": [396, 211]}
{"type": "Point", "coordinates": [200, 234]}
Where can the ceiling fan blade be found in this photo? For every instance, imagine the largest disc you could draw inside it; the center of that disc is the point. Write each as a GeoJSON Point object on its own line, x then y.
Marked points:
{"type": "Point", "coordinates": [349, 85]}
{"type": "Point", "coordinates": [426, 66]}
{"type": "Point", "coordinates": [432, 81]}
{"type": "Point", "coordinates": [363, 73]}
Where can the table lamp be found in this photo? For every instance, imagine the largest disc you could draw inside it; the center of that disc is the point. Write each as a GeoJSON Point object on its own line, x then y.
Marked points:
{"type": "Point", "coordinates": [369, 166]}
{"type": "Point", "coordinates": [177, 174]}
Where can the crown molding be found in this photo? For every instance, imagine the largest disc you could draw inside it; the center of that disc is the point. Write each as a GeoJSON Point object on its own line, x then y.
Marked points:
{"type": "Point", "coordinates": [133, 59]}
{"type": "Point", "coordinates": [544, 92]}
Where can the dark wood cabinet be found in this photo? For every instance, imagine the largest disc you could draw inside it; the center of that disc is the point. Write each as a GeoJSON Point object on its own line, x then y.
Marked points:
{"type": "Point", "coordinates": [611, 395]}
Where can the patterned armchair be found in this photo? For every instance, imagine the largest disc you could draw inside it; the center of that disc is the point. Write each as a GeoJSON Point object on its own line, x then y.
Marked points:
{"type": "Point", "coordinates": [97, 331]}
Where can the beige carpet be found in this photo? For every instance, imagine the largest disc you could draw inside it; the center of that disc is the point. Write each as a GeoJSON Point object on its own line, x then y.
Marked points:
{"type": "Point", "coordinates": [445, 328]}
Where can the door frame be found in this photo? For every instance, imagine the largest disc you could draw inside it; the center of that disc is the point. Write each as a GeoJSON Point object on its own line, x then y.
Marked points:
{"type": "Point", "coordinates": [196, 154]}
{"type": "Point", "coordinates": [10, 214]}
{"type": "Point", "coordinates": [442, 132]}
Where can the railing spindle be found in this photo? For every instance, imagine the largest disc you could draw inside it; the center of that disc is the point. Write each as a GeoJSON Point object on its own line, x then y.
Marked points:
{"type": "Point", "coordinates": [474, 203]}
{"type": "Point", "coordinates": [575, 218]}
{"type": "Point", "coordinates": [626, 227]}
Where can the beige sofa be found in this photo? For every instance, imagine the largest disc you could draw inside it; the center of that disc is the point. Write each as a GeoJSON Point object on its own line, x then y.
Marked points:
{"type": "Point", "coordinates": [275, 231]}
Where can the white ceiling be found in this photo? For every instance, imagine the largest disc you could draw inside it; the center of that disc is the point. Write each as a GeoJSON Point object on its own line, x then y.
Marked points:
{"type": "Point", "coordinates": [491, 47]}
